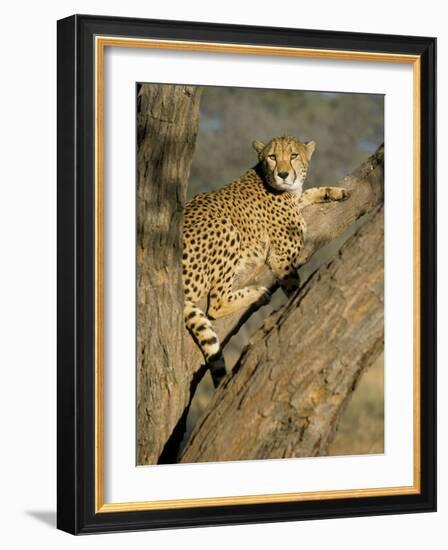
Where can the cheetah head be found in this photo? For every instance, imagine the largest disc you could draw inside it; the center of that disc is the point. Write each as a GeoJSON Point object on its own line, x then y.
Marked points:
{"type": "Point", "coordinates": [284, 161]}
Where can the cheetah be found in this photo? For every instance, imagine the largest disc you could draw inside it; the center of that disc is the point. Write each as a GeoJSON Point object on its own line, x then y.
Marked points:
{"type": "Point", "coordinates": [254, 220]}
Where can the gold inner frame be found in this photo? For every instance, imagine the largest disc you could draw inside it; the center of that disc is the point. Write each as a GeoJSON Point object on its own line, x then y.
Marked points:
{"type": "Point", "coordinates": [101, 42]}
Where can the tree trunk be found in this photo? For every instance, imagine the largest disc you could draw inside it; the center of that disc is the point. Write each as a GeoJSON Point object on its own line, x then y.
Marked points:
{"type": "Point", "coordinates": [289, 387]}
{"type": "Point", "coordinates": [167, 124]}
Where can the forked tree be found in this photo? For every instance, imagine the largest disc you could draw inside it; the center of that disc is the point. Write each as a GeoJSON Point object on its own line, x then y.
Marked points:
{"type": "Point", "coordinates": [286, 393]}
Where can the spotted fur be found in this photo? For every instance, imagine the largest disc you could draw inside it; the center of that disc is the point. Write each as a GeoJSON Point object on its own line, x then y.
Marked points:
{"type": "Point", "coordinates": [252, 221]}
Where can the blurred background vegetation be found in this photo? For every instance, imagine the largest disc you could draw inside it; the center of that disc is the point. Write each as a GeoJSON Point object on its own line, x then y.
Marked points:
{"type": "Point", "coordinates": [347, 129]}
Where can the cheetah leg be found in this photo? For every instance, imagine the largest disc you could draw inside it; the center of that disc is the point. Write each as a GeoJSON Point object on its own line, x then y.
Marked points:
{"type": "Point", "coordinates": [285, 273]}
{"type": "Point", "coordinates": [228, 303]}
{"type": "Point", "coordinates": [323, 194]}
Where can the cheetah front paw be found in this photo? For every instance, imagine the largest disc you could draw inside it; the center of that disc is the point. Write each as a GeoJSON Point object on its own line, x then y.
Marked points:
{"type": "Point", "coordinates": [345, 194]}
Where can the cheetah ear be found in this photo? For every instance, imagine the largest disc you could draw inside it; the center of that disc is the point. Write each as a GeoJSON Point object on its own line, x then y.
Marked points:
{"type": "Point", "coordinates": [310, 146]}
{"type": "Point", "coordinates": [258, 146]}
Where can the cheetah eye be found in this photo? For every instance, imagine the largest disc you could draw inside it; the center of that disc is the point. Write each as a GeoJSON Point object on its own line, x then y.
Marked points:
{"type": "Point", "coordinates": [293, 156]}
{"type": "Point", "coordinates": [272, 157]}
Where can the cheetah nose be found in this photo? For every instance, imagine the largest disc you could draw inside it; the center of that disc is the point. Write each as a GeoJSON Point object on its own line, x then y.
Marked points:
{"type": "Point", "coordinates": [283, 175]}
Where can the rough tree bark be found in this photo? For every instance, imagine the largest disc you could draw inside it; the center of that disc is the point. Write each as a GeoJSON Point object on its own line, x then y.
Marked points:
{"type": "Point", "coordinates": [287, 390]}
{"type": "Point", "coordinates": [167, 125]}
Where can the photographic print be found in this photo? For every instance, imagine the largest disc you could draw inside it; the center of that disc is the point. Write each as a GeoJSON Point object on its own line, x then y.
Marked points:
{"type": "Point", "coordinates": [260, 292]}
{"type": "Point", "coordinates": [246, 288]}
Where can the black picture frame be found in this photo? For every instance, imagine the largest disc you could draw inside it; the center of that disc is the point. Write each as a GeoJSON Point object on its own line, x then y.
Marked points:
{"type": "Point", "coordinates": [76, 253]}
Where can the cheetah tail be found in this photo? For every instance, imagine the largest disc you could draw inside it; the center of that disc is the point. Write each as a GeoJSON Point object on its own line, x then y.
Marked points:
{"type": "Point", "coordinates": [204, 334]}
